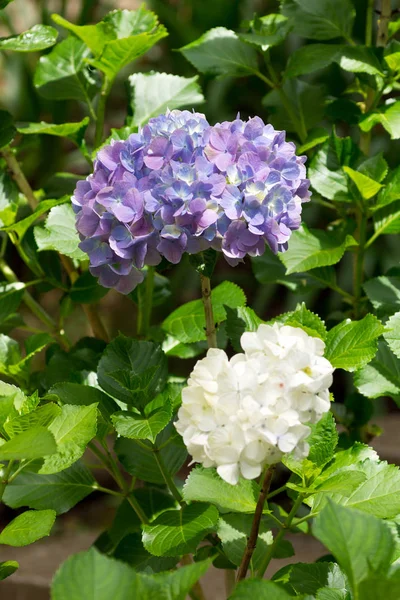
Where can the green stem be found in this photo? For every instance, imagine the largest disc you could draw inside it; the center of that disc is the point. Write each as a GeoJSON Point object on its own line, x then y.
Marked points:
{"type": "Point", "coordinates": [145, 304]}
{"type": "Point", "coordinates": [369, 23]}
{"type": "Point", "coordinates": [304, 519]}
{"type": "Point", "coordinates": [18, 176]}
{"type": "Point", "coordinates": [138, 509]}
{"type": "Point", "coordinates": [22, 466]}
{"type": "Point", "coordinates": [168, 478]}
{"type": "Point", "coordinates": [100, 488]}
{"type": "Point", "coordinates": [277, 491]}
{"type": "Point", "coordinates": [101, 111]}
{"type": "Point", "coordinates": [271, 550]}
{"type": "Point", "coordinates": [359, 262]}
{"type": "Point", "coordinates": [5, 478]}
{"type": "Point", "coordinates": [211, 333]}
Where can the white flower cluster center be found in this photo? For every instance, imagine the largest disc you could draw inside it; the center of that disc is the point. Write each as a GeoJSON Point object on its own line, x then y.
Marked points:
{"type": "Point", "coordinates": [241, 414]}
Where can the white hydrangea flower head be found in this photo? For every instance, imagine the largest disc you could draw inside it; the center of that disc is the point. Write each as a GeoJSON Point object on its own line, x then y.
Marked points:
{"type": "Point", "coordinates": [243, 413]}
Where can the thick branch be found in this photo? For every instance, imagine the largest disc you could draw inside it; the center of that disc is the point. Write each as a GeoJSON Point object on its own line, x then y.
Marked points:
{"type": "Point", "coordinates": [255, 528]}
{"type": "Point", "coordinates": [383, 23]}
{"type": "Point", "coordinates": [19, 177]}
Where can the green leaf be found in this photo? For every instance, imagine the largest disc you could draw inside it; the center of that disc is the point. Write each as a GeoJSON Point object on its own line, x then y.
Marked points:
{"type": "Point", "coordinates": [238, 321]}
{"type": "Point", "coordinates": [73, 131]}
{"type": "Point", "coordinates": [132, 371]}
{"type": "Point", "coordinates": [392, 334]}
{"type": "Point", "coordinates": [21, 227]}
{"type": "Point", "coordinates": [84, 395]}
{"type": "Point", "coordinates": [388, 117]}
{"type": "Point", "coordinates": [11, 398]}
{"type": "Point", "coordinates": [352, 344]}
{"type": "Point", "coordinates": [233, 531]}
{"type": "Point", "coordinates": [235, 58]}
{"type": "Point", "coordinates": [63, 74]}
{"type": "Point", "coordinates": [260, 589]}
{"type": "Point", "coordinates": [177, 532]}
{"type": "Point", "coordinates": [376, 586]}
{"type": "Point", "coordinates": [311, 248]}
{"type": "Point", "coordinates": [387, 219]}
{"type": "Point", "coordinates": [205, 485]}
{"type": "Point", "coordinates": [306, 320]}
{"type": "Point", "coordinates": [93, 575]}
{"type": "Point", "coordinates": [365, 185]}
{"type": "Point", "coordinates": [356, 59]}
{"type": "Point", "coordinates": [361, 543]}
{"type": "Point", "coordinates": [305, 578]}
{"type": "Point", "coordinates": [9, 198]}
{"type": "Point", "coordinates": [135, 426]}
{"type": "Point", "coordinates": [381, 377]}
{"type": "Point", "coordinates": [267, 31]}
{"type": "Point", "coordinates": [86, 289]}
{"type": "Point", "coordinates": [42, 416]}
{"type": "Point", "coordinates": [326, 168]}
{"type": "Point", "coordinates": [27, 528]}
{"type": "Point", "coordinates": [8, 567]}
{"type": "Point", "coordinates": [315, 138]}
{"type": "Point", "coordinates": [377, 494]}
{"type": "Point", "coordinates": [10, 298]}
{"type": "Point", "coordinates": [7, 128]}
{"type": "Point", "coordinates": [154, 93]}
{"type": "Point", "coordinates": [391, 191]}
{"type": "Point", "coordinates": [306, 105]}
{"type": "Point", "coordinates": [60, 491]}
{"type": "Point", "coordinates": [375, 168]}
{"type": "Point", "coordinates": [187, 323]}
{"type": "Point", "coordinates": [59, 233]}
{"type": "Point", "coordinates": [73, 429]}
{"type": "Point", "coordinates": [34, 443]}
{"type": "Point", "coordinates": [39, 37]}
{"type": "Point", "coordinates": [10, 353]}
{"type": "Point", "coordinates": [139, 459]}
{"type": "Point", "coordinates": [384, 294]}
{"type": "Point", "coordinates": [320, 19]}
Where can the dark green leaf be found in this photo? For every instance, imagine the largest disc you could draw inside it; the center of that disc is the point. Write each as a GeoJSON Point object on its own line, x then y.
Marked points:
{"type": "Point", "coordinates": [320, 19]}
{"type": "Point", "coordinates": [8, 567]}
{"type": "Point", "coordinates": [235, 58]}
{"type": "Point", "coordinates": [73, 131]}
{"type": "Point", "coordinates": [132, 371]}
{"type": "Point", "coordinates": [260, 589]}
{"type": "Point", "coordinates": [304, 578]}
{"type": "Point", "coordinates": [267, 31]}
{"type": "Point", "coordinates": [384, 294]}
{"type": "Point", "coordinates": [238, 321]}
{"type": "Point", "coordinates": [356, 59]}
{"type": "Point", "coordinates": [86, 289]}
{"type": "Point", "coordinates": [60, 491]}
{"type": "Point", "coordinates": [381, 377]}
{"type": "Point", "coordinates": [233, 531]}
{"type": "Point", "coordinates": [7, 128]}
{"type": "Point", "coordinates": [84, 395]}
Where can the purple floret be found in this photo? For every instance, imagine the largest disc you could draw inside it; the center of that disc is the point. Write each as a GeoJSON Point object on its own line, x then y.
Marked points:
{"type": "Point", "coordinates": [181, 185]}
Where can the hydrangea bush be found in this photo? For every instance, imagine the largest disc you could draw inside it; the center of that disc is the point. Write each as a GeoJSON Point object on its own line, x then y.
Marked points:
{"type": "Point", "coordinates": [219, 433]}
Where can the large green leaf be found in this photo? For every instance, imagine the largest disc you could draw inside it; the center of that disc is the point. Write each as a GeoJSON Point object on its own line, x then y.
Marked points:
{"type": "Point", "coordinates": [34, 443]}
{"type": "Point", "coordinates": [139, 458]}
{"type": "Point", "coordinates": [39, 37]}
{"type": "Point", "coordinates": [7, 128]}
{"type": "Point", "coordinates": [132, 371]}
{"type": "Point", "coordinates": [377, 586]}
{"type": "Point", "coordinates": [311, 248]}
{"type": "Point", "coordinates": [221, 52]}
{"type": "Point", "coordinates": [320, 19]}
{"type": "Point", "coordinates": [187, 323]}
{"type": "Point", "coordinates": [260, 589]}
{"type": "Point", "coordinates": [177, 532]}
{"type": "Point", "coordinates": [146, 426]}
{"type": "Point", "coordinates": [392, 334]}
{"type": "Point", "coordinates": [388, 117]}
{"type": "Point", "coordinates": [63, 73]}
{"type": "Point", "coordinates": [305, 578]}
{"type": "Point", "coordinates": [60, 491]}
{"type": "Point", "coordinates": [381, 377]}
{"type": "Point", "coordinates": [352, 344]}
{"type": "Point", "coordinates": [356, 59]}
{"type": "Point", "coordinates": [205, 485]}
{"type": "Point", "coordinates": [93, 575]}
{"type": "Point", "coordinates": [267, 31]}
{"type": "Point", "coordinates": [73, 131]}
{"type": "Point", "coordinates": [59, 233]}
{"type": "Point", "coordinates": [42, 416]}
{"type": "Point", "coordinates": [154, 93]}
{"type": "Point", "coordinates": [362, 544]}
{"type": "Point", "coordinates": [306, 320]}
{"type": "Point", "coordinates": [28, 528]}
{"type": "Point", "coordinates": [238, 321]}
{"type": "Point", "coordinates": [21, 227]}
{"type": "Point", "coordinates": [83, 395]}
{"type": "Point", "coordinates": [73, 429]}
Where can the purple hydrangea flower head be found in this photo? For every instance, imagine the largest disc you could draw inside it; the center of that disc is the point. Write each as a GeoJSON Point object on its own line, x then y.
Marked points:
{"type": "Point", "coordinates": [180, 185]}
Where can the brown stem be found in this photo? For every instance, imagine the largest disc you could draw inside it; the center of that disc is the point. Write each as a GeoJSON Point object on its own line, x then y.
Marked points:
{"type": "Point", "coordinates": [98, 329]}
{"type": "Point", "coordinates": [211, 332]}
{"type": "Point", "coordinates": [18, 176]}
{"type": "Point", "coordinates": [383, 23]}
{"type": "Point", "coordinates": [255, 528]}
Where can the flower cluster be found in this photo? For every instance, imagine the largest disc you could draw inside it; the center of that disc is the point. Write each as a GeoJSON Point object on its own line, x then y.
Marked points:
{"type": "Point", "coordinates": [247, 412]}
{"type": "Point", "coordinates": [181, 185]}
